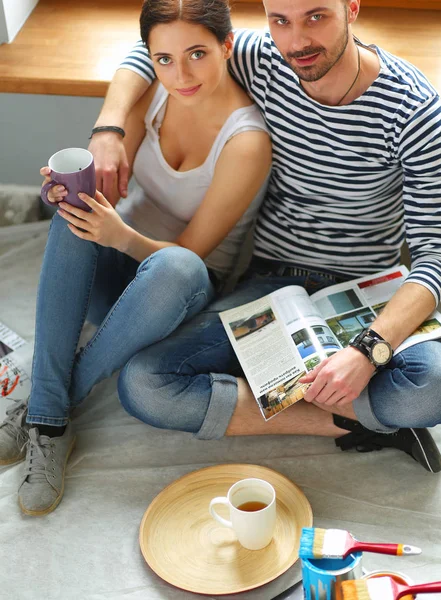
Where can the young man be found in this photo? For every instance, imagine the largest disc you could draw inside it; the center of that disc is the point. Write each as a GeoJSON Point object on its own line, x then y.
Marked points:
{"type": "Point", "coordinates": [356, 138]}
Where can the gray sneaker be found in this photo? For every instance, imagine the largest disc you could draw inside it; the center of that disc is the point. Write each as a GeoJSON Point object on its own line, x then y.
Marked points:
{"type": "Point", "coordinates": [14, 433]}
{"type": "Point", "coordinates": [42, 486]}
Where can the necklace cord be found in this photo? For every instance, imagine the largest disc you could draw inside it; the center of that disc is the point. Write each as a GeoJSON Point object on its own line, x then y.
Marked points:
{"type": "Point", "coordinates": [355, 80]}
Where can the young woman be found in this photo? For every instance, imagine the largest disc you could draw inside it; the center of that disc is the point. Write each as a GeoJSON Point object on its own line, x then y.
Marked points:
{"type": "Point", "coordinates": [201, 156]}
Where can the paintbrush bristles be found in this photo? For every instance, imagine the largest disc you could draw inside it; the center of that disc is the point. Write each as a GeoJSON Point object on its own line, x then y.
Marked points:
{"type": "Point", "coordinates": [324, 543]}
{"type": "Point", "coordinates": [381, 588]}
{"type": "Point", "coordinates": [319, 540]}
{"type": "Point", "coordinates": [355, 590]}
{"type": "Point", "coordinates": [311, 542]}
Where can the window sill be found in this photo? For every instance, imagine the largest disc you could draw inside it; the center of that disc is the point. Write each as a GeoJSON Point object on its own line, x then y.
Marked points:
{"type": "Point", "coordinates": [78, 55]}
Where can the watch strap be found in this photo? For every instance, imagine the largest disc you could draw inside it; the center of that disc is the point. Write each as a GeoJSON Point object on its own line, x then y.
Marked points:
{"type": "Point", "coordinates": [364, 346]}
{"type": "Point", "coordinates": [356, 343]}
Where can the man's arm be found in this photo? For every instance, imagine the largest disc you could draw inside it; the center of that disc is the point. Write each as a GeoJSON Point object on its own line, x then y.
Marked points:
{"type": "Point", "coordinates": [129, 83]}
{"type": "Point", "coordinates": [125, 89]}
{"type": "Point", "coordinates": [341, 378]}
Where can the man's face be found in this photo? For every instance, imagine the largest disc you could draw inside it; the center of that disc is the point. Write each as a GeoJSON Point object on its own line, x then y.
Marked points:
{"type": "Point", "coordinates": [311, 35]}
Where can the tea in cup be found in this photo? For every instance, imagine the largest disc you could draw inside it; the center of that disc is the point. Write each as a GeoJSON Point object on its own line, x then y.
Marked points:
{"type": "Point", "coordinates": [252, 506]}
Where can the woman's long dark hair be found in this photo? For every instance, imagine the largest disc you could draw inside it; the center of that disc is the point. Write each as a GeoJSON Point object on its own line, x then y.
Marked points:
{"type": "Point", "coordinates": [214, 15]}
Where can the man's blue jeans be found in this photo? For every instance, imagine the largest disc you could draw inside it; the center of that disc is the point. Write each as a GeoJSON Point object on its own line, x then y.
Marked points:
{"type": "Point", "coordinates": [134, 305]}
{"type": "Point", "coordinates": [188, 382]}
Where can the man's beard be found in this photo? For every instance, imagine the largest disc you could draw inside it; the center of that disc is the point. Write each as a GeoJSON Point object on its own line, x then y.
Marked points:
{"type": "Point", "coordinates": [316, 72]}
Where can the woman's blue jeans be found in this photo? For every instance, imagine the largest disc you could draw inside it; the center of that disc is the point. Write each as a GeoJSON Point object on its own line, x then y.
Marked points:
{"type": "Point", "coordinates": [188, 381]}
{"type": "Point", "coordinates": [134, 305]}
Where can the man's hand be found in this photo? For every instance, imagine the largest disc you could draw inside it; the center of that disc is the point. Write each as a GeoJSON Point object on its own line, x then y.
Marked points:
{"type": "Point", "coordinates": [112, 168]}
{"type": "Point", "coordinates": [339, 379]}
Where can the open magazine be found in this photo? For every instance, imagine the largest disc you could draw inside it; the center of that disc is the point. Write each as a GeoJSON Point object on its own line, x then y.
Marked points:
{"type": "Point", "coordinates": [281, 336]}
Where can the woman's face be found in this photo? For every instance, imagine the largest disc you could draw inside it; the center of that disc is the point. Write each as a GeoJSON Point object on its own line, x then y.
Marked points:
{"type": "Point", "coordinates": [188, 59]}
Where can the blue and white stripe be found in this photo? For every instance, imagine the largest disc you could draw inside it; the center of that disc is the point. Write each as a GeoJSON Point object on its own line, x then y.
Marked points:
{"type": "Point", "coordinates": [347, 181]}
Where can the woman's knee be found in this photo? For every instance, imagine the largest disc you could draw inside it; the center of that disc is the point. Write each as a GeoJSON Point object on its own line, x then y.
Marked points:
{"type": "Point", "coordinates": [179, 266]}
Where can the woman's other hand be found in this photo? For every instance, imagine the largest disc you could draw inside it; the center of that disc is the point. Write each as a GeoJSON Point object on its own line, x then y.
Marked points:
{"type": "Point", "coordinates": [58, 192]}
{"type": "Point", "coordinates": [103, 225]}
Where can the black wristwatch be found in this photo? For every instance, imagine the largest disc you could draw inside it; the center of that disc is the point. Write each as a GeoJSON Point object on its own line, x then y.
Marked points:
{"type": "Point", "coordinates": [372, 345]}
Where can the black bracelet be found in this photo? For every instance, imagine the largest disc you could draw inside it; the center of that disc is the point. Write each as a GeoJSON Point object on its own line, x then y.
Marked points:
{"type": "Point", "coordinates": [113, 128]}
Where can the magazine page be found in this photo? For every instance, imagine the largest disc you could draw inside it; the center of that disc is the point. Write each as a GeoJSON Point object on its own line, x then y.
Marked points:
{"type": "Point", "coordinates": [15, 360]}
{"type": "Point", "coordinates": [305, 325]}
{"type": "Point", "coordinates": [350, 307]}
{"type": "Point", "coordinates": [277, 339]}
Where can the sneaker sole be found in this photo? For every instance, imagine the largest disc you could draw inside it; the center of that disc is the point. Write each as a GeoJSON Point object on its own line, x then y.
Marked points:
{"type": "Point", "coordinates": [426, 454]}
{"type": "Point", "coordinates": [46, 511]}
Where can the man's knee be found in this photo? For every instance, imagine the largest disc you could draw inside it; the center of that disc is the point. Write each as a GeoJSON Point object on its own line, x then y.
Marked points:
{"type": "Point", "coordinates": [139, 389]}
{"type": "Point", "coordinates": [161, 397]}
{"type": "Point", "coordinates": [410, 394]}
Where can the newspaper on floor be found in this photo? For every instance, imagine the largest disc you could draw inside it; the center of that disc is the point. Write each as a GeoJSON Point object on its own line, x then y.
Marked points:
{"type": "Point", "coordinates": [15, 360]}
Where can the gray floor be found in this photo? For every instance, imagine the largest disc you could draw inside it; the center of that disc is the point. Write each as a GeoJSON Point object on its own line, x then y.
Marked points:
{"type": "Point", "coordinates": [88, 548]}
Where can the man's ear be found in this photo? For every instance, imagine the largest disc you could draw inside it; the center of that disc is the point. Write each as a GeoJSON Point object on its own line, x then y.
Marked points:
{"type": "Point", "coordinates": [228, 45]}
{"type": "Point", "coordinates": [353, 10]}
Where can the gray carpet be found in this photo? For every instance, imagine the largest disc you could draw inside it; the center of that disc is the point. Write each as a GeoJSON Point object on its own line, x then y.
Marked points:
{"type": "Point", "coordinates": [88, 547]}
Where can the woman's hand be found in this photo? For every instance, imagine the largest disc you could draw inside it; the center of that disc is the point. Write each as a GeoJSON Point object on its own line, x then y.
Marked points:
{"type": "Point", "coordinates": [103, 225]}
{"type": "Point", "coordinates": [55, 194]}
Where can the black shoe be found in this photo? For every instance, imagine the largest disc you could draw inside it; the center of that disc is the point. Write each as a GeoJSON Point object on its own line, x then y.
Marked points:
{"type": "Point", "coordinates": [418, 443]}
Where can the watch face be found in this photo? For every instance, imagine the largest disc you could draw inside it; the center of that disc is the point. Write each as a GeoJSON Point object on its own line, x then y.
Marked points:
{"type": "Point", "coordinates": [381, 353]}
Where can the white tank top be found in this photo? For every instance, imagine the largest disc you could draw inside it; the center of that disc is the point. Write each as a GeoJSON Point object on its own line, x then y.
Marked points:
{"type": "Point", "coordinates": [164, 200]}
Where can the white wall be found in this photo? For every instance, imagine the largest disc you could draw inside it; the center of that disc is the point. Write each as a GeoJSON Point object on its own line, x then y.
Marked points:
{"type": "Point", "coordinates": [33, 127]}
{"type": "Point", "coordinates": [3, 30]}
{"type": "Point", "coordinates": [15, 13]}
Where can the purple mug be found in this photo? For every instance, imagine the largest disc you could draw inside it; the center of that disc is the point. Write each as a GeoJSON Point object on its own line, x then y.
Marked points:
{"type": "Point", "coordinates": [75, 170]}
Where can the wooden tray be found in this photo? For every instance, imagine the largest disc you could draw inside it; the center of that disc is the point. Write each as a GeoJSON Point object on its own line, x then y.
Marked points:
{"type": "Point", "coordinates": [185, 546]}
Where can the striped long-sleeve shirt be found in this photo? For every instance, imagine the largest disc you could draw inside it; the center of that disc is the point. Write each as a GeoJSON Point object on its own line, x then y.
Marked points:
{"type": "Point", "coordinates": [347, 182]}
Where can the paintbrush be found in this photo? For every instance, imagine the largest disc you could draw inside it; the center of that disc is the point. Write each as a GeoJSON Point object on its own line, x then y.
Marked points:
{"type": "Point", "coordinates": [384, 588]}
{"type": "Point", "coordinates": [338, 543]}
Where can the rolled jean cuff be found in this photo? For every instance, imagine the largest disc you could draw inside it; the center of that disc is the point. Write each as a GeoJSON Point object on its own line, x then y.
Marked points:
{"type": "Point", "coordinates": [220, 409]}
{"type": "Point", "coordinates": [55, 421]}
{"type": "Point", "coordinates": [363, 409]}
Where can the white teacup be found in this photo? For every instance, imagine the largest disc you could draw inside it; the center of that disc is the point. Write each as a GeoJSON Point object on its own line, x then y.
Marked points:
{"type": "Point", "coordinates": [252, 504]}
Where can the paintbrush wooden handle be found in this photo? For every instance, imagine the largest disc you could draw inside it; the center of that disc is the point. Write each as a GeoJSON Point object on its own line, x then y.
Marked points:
{"type": "Point", "coordinates": [394, 549]}
{"type": "Point", "coordinates": [421, 588]}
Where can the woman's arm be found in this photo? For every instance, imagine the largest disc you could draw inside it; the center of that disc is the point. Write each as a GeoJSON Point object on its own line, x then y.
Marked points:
{"type": "Point", "coordinates": [241, 170]}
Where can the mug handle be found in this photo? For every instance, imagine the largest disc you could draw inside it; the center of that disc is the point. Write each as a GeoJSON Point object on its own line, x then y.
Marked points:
{"type": "Point", "coordinates": [44, 192]}
{"type": "Point", "coordinates": [214, 514]}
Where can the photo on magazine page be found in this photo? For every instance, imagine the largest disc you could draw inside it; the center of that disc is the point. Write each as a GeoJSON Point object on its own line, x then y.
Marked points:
{"type": "Point", "coordinates": [251, 323]}
{"type": "Point", "coordinates": [269, 358]}
{"type": "Point", "coordinates": [281, 396]}
{"type": "Point", "coordinates": [349, 308]}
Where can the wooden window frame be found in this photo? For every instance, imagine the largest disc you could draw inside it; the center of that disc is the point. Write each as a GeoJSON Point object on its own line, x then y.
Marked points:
{"type": "Point", "coordinates": [410, 4]}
